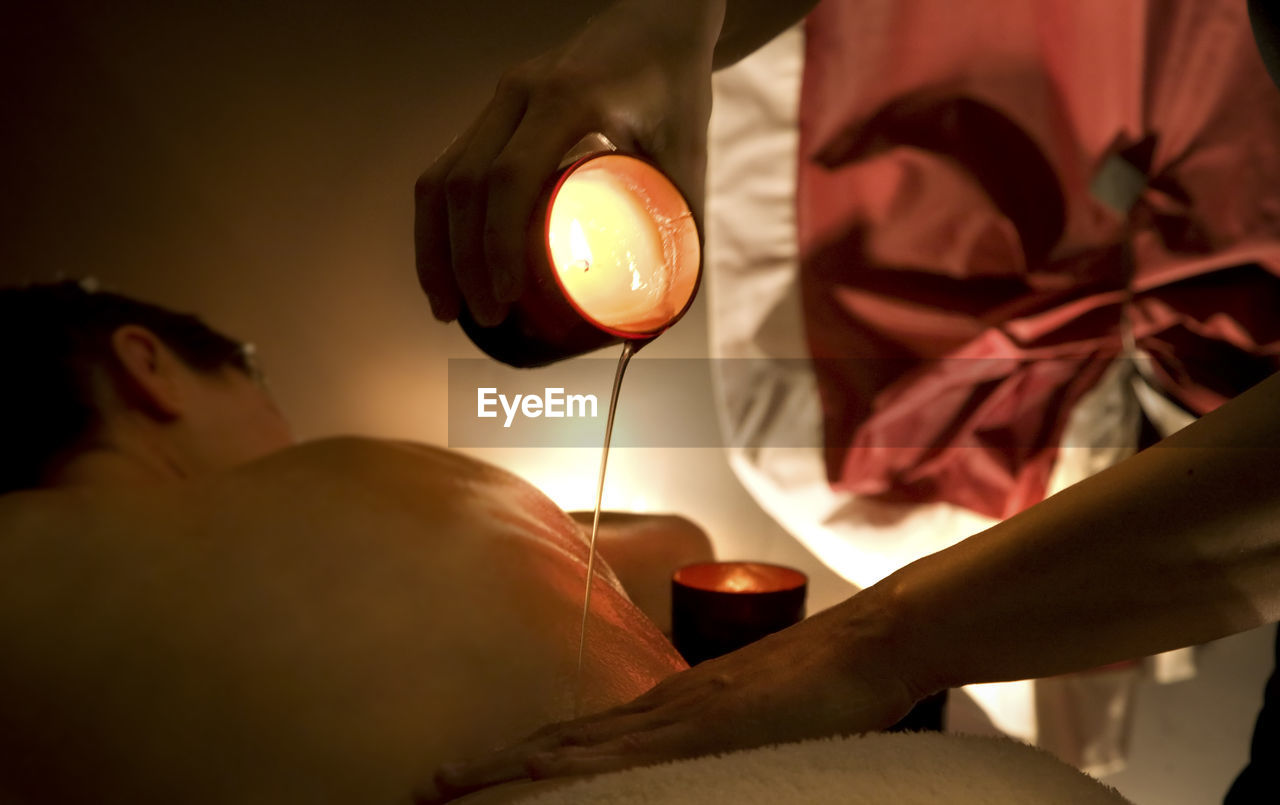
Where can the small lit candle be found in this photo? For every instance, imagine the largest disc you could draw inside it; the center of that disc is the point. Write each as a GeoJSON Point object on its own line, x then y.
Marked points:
{"type": "Point", "coordinates": [718, 607]}
{"type": "Point", "coordinates": [622, 245]}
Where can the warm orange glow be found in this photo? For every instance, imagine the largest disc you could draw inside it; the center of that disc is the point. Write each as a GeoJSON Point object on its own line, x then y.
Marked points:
{"type": "Point", "coordinates": [739, 577]}
{"type": "Point", "coordinates": [738, 581]}
{"type": "Point", "coordinates": [624, 254]}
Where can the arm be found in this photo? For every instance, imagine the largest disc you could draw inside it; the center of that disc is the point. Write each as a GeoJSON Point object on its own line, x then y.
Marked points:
{"type": "Point", "coordinates": [750, 24]}
{"type": "Point", "coordinates": [1178, 545]}
{"type": "Point", "coordinates": [639, 73]}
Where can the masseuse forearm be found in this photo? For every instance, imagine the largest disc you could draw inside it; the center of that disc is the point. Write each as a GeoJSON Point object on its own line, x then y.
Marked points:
{"type": "Point", "coordinates": [1178, 545]}
{"type": "Point", "coordinates": [733, 28]}
{"type": "Point", "coordinates": [749, 24]}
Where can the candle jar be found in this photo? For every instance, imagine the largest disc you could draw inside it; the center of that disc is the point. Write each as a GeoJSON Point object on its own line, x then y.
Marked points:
{"type": "Point", "coordinates": [614, 254]}
{"type": "Point", "coordinates": [719, 607]}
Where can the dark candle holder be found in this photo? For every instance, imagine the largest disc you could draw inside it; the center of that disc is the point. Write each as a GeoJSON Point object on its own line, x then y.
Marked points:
{"type": "Point", "coordinates": [719, 607]}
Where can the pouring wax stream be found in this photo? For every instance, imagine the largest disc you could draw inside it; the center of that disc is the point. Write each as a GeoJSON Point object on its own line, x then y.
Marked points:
{"type": "Point", "coordinates": [625, 254]}
{"type": "Point", "coordinates": [615, 257]}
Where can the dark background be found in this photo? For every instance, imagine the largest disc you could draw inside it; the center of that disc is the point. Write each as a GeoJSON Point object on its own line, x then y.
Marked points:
{"type": "Point", "coordinates": [254, 162]}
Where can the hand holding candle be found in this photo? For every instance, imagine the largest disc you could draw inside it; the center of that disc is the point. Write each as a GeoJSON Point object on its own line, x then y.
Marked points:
{"type": "Point", "coordinates": [614, 254]}
{"type": "Point", "coordinates": [640, 72]}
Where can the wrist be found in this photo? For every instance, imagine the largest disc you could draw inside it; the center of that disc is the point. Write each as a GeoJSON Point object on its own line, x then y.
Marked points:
{"type": "Point", "coordinates": [883, 643]}
{"type": "Point", "coordinates": [695, 23]}
{"type": "Point", "coordinates": [747, 25]}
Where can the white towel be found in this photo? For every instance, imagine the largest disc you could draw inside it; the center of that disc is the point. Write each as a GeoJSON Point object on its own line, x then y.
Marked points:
{"type": "Point", "coordinates": [879, 768]}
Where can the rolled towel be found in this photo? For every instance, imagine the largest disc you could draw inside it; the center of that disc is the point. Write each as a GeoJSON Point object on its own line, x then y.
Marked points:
{"type": "Point", "coordinates": [903, 769]}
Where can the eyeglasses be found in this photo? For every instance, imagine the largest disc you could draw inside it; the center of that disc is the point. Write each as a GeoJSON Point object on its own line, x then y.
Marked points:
{"type": "Point", "coordinates": [247, 361]}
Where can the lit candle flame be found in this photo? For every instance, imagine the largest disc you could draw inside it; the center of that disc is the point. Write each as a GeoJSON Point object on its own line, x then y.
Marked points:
{"type": "Point", "coordinates": [578, 247]}
{"type": "Point", "coordinates": [613, 248]}
{"type": "Point", "coordinates": [739, 581]}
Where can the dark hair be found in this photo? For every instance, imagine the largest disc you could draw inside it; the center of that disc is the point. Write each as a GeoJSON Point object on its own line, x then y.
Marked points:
{"type": "Point", "coordinates": [52, 336]}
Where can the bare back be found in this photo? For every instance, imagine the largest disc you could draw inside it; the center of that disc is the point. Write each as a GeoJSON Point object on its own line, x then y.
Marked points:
{"type": "Point", "coordinates": [324, 625]}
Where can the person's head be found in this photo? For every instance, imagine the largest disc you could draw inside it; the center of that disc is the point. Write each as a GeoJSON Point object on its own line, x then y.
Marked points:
{"type": "Point", "coordinates": [87, 370]}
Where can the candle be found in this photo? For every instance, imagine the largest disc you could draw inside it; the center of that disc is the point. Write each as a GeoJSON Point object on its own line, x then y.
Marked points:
{"type": "Point", "coordinates": [622, 245]}
{"type": "Point", "coordinates": [614, 254]}
{"type": "Point", "coordinates": [718, 607]}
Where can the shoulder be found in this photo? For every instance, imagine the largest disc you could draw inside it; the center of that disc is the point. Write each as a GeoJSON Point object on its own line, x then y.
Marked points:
{"type": "Point", "coordinates": [395, 480]}
{"type": "Point", "coordinates": [354, 456]}
{"type": "Point", "coordinates": [388, 470]}
{"type": "Point", "coordinates": [39, 513]}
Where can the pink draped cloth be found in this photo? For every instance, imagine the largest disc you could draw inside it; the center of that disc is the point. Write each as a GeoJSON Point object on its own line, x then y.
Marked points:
{"type": "Point", "coordinates": [964, 287]}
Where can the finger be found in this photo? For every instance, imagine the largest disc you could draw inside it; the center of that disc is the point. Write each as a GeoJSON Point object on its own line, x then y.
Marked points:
{"type": "Point", "coordinates": [431, 232]}
{"type": "Point", "coordinates": [451, 782]}
{"type": "Point", "coordinates": [504, 765]}
{"type": "Point", "coordinates": [433, 253]}
{"type": "Point", "coordinates": [456, 779]}
{"type": "Point", "coordinates": [646, 748]}
{"type": "Point", "coordinates": [548, 130]}
{"type": "Point", "coordinates": [512, 763]}
{"type": "Point", "coordinates": [683, 157]}
{"type": "Point", "coordinates": [679, 146]}
{"type": "Point", "coordinates": [466, 192]}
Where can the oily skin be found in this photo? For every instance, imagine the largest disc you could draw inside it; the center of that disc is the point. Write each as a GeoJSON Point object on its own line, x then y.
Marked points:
{"type": "Point", "coordinates": [330, 621]}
